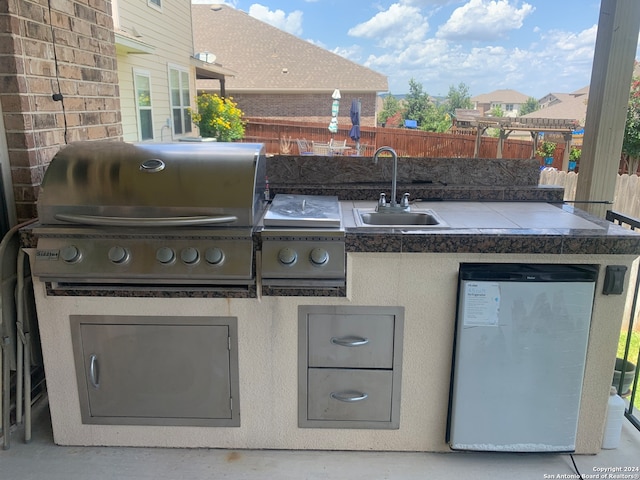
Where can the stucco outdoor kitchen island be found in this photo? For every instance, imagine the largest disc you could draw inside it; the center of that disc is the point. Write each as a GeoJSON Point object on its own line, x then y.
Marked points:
{"type": "Point", "coordinates": [415, 270]}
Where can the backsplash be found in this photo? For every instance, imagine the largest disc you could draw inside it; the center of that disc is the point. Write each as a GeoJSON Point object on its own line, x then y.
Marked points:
{"type": "Point", "coordinates": [358, 178]}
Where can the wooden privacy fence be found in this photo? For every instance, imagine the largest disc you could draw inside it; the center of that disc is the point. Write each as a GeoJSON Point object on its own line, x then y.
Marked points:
{"type": "Point", "coordinates": [626, 197]}
{"type": "Point", "coordinates": [279, 137]}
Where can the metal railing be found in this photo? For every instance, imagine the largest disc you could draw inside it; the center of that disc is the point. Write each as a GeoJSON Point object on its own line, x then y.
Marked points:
{"type": "Point", "coordinates": [633, 224]}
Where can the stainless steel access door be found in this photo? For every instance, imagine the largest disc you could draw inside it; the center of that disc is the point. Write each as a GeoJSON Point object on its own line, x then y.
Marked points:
{"type": "Point", "coordinates": [154, 370]}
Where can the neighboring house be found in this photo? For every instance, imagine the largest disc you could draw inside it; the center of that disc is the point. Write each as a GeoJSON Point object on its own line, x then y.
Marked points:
{"type": "Point", "coordinates": [551, 99]}
{"type": "Point", "coordinates": [566, 106]}
{"type": "Point", "coordinates": [280, 76]}
{"type": "Point", "coordinates": [510, 101]}
{"type": "Point", "coordinates": [157, 68]}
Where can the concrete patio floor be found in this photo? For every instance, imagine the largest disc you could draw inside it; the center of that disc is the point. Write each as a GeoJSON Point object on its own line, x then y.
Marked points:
{"type": "Point", "coordinates": [41, 459]}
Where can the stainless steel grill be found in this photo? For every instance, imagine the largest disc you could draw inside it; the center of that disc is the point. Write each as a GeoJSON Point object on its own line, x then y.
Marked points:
{"type": "Point", "coordinates": [180, 213]}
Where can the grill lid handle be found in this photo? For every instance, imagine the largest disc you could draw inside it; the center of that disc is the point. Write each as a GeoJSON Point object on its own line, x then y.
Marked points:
{"type": "Point", "coordinates": [97, 220]}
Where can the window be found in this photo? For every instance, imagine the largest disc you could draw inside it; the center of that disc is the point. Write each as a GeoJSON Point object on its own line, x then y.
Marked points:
{"type": "Point", "coordinates": [142, 85]}
{"type": "Point", "coordinates": [509, 107]}
{"type": "Point", "coordinates": [180, 100]}
{"type": "Point", "coordinates": [155, 4]}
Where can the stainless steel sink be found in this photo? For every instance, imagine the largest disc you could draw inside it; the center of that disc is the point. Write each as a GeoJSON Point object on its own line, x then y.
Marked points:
{"type": "Point", "coordinates": [369, 217]}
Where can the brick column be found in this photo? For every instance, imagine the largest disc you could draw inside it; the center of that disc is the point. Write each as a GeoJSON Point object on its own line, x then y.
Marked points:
{"type": "Point", "coordinates": [47, 48]}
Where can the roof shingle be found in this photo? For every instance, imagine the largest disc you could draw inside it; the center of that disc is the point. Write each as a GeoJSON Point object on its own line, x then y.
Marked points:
{"type": "Point", "coordinates": [268, 59]}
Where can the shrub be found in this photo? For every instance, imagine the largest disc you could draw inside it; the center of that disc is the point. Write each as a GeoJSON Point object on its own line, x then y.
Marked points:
{"type": "Point", "coordinates": [575, 154]}
{"type": "Point", "coordinates": [546, 149]}
{"type": "Point", "coordinates": [219, 118]}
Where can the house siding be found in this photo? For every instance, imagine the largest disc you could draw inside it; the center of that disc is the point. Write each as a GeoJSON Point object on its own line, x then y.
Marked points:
{"type": "Point", "coordinates": [170, 33]}
{"type": "Point", "coordinates": [79, 34]}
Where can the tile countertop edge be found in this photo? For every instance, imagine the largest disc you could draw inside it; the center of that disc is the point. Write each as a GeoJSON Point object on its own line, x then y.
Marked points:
{"type": "Point", "coordinates": [551, 241]}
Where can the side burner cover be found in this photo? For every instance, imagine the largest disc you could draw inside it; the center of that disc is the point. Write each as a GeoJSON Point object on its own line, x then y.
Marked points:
{"type": "Point", "coordinates": [311, 211]}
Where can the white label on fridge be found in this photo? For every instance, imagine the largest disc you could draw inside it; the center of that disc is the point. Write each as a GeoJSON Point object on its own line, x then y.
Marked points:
{"type": "Point", "coordinates": [481, 303]}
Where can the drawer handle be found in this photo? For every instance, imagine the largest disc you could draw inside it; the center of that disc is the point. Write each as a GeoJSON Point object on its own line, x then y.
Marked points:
{"type": "Point", "coordinates": [350, 341]}
{"type": "Point", "coordinates": [93, 371]}
{"type": "Point", "coordinates": [349, 396]}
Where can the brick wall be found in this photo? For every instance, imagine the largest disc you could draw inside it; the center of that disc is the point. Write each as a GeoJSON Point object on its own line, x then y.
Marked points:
{"type": "Point", "coordinates": [305, 107]}
{"type": "Point", "coordinates": [46, 48]}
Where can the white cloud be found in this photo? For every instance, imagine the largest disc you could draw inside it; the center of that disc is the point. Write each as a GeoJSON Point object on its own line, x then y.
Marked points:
{"type": "Point", "coordinates": [231, 3]}
{"type": "Point", "coordinates": [318, 43]}
{"type": "Point", "coordinates": [551, 64]}
{"type": "Point", "coordinates": [396, 27]}
{"type": "Point", "coordinates": [484, 20]}
{"type": "Point", "coordinates": [429, 3]}
{"type": "Point", "coordinates": [291, 22]}
{"type": "Point", "coordinates": [353, 52]}
{"type": "Point", "coordinates": [572, 46]}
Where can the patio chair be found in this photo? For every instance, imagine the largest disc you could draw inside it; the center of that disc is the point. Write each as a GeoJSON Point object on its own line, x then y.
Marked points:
{"type": "Point", "coordinates": [303, 147]}
{"type": "Point", "coordinates": [338, 147]}
{"type": "Point", "coordinates": [320, 148]}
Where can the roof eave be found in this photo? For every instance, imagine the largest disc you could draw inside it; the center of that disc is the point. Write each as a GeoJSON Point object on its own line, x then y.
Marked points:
{"type": "Point", "coordinates": [210, 71]}
{"type": "Point", "coordinates": [126, 44]}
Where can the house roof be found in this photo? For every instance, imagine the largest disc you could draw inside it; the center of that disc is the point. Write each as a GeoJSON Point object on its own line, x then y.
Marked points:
{"type": "Point", "coordinates": [582, 91]}
{"type": "Point", "coordinates": [266, 58]}
{"type": "Point", "coordinates": [501, 96]}
{"type": "Point", "coordinates": [571, 107]}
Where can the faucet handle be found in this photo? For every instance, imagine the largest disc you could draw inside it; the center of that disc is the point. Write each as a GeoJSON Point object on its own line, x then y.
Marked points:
{"type": "Point", "coordinates": [382, 201]}
{"type": "Point", "coordinates": [404, 203]}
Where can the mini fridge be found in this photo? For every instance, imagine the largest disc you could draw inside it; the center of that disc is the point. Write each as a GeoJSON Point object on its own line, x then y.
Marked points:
{"type": "Point", "coordinates": [519, 355]}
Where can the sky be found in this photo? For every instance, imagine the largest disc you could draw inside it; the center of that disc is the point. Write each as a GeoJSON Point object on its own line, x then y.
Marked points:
{"type": "Point", "coordinates": [535, 47]}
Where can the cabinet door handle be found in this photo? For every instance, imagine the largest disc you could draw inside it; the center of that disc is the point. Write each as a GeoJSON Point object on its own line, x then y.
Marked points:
{"type": "Point", "coordinates": [349, 341]}
{"type": "Point", "coordinates": [349, 396]}
{"type": "Point", "coordinates": [93, 371]}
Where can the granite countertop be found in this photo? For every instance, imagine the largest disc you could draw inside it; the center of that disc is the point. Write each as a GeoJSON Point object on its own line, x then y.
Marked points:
{"type": "Point", "coordinates": [495, 227]}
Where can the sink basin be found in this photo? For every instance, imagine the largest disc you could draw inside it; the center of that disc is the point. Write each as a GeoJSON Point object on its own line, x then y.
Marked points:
{"type": "Point", "coordinates": [368, 217]}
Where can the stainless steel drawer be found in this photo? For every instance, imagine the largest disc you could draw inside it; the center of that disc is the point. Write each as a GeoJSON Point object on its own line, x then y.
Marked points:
{"type": "Point", "coordinates": [350, 395]}
{"type": "Point", "coordinates": [351, 340]}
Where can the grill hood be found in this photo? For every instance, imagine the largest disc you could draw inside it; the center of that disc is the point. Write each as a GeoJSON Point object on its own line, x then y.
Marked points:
{"type": "Point", "coordinates": [185, 183]}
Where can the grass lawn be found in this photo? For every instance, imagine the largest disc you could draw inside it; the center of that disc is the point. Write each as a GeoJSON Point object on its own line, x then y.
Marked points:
{"type": "Point", "coordinates": [633, 355]}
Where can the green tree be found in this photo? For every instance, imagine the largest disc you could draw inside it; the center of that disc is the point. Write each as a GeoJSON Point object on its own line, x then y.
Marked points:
{"type": "Point", "coordinates": [417, 102]}
{"type": "Point", "coordinates": [420, 107]}
{"type": "Point", "coordinates": [436, 119]}
{"type": "Point", "coordinates": [531, 105]}
{"type": "Point", "coordinates": [390, 106]}
{"type": "Point", "coordinates": [496, 111]}
{"type": "Point", "coordinates": [458, 97]}
{"type": "Point", "coordinates": [631, 139]}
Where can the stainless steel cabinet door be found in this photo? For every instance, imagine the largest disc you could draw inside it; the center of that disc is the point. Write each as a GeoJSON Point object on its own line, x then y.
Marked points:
{"type": "Point", "coordinates": [154, 373]}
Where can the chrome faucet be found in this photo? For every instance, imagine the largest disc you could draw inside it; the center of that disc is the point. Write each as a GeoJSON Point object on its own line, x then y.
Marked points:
{"type": "Point", "coordinates": [393, 205]}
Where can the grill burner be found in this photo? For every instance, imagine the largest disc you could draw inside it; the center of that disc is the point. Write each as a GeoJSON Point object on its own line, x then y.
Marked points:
{"type": "Point", "coordinates": [151, 214]}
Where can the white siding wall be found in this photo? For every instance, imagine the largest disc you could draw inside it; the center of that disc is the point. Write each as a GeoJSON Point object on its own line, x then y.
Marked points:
{"type": "Point", "coordinates": [170, 33]}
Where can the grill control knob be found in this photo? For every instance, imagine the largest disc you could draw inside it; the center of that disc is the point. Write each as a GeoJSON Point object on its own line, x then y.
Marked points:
{"type": "Point", "coordinates": [165, 255]}
{"type": "Point", "coordinates": [118, 254]}
{"type": "Point", "coordinates": [189, 255]}
{"type": "Point", "coordinates": [214, 255]}
{"type": "Point", "coordinates": [319, 256]}
{"type": "Point", "coordinates": [287, 256]}
{"type": "Point", "coordinates": [70, 254]}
